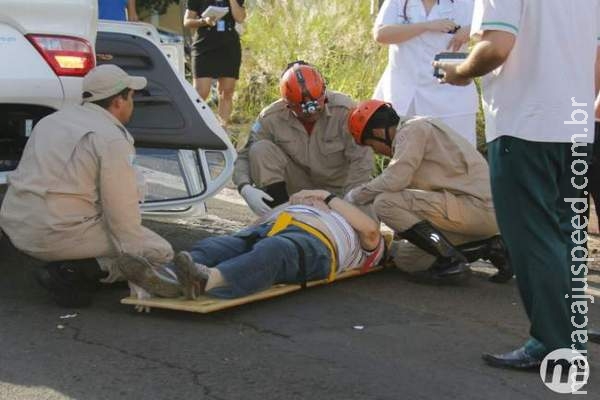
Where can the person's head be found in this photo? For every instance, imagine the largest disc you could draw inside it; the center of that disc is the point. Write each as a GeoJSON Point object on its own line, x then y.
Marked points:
{"type": "Point", "coordinates": [112, 89]}
{"type": "Point", "coordinates": [373, 123]}
{"type": "Point", "coordinates": [303, 89]}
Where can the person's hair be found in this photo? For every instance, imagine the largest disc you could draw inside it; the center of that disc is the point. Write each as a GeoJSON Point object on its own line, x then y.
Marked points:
{"type": "Point", "coordinates": [383, 118]}
{"type": "Point", "coordinates": [105, 103]}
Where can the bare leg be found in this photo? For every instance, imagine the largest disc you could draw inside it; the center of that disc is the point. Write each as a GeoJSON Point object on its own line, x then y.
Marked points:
{"type": "Point", "coordinates": [226, 88]}
{"type": "Point", "coordinates": [202, 86]}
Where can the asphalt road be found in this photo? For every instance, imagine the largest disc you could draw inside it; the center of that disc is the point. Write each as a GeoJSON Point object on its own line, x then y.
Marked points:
{"type": "Point", "coordinates": [374, 337]}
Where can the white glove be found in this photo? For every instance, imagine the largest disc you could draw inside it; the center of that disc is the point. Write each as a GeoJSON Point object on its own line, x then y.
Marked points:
{"type": "Point", "coordinates": [349, 197]}
{"type": "Point", "coordinates": [256, 199]}
{"type": "Point", "coordinates": [140, 294]}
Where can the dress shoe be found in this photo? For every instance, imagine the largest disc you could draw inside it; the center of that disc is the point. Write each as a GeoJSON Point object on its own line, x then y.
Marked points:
{"type": "Point", "coordinates": [518, 359]}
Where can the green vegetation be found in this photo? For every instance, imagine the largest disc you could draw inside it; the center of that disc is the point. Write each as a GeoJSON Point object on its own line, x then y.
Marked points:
{"type": "Point", "coordinates": [333, 35]}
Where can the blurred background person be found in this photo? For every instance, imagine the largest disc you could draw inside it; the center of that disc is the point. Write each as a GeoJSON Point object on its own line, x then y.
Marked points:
{"type": "Point", "coordinates": [216, 50]}
{"type": "Point", "coordinates": [118, 10]}
{"type": "Point", "coordinates": [417, 30]}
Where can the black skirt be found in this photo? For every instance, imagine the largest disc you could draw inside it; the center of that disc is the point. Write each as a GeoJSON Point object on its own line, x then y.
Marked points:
{"type": "Point", "coordinates": [217, 55]}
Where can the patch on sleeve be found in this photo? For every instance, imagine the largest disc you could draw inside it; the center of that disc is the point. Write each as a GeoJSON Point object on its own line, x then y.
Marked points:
{"type": "Point", "coordinates": [256, 127]}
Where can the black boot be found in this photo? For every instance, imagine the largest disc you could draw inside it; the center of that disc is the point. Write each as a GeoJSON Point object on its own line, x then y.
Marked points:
{"type": "Point", "coordinates": [278, 191]}
{"type": "Point", "coordinates": [71, 283]}
{"type": "Point", "coordinates": [491, 249]}
{"type": "Point", "coordinates": [451, 266]}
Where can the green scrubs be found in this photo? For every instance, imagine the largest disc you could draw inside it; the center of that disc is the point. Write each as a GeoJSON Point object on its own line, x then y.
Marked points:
{"type": "Point", "coordinates": [530, 181]}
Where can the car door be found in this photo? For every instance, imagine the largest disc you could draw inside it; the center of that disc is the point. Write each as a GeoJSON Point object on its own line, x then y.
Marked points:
{"type": "Point", "coordinates": [182, 151]}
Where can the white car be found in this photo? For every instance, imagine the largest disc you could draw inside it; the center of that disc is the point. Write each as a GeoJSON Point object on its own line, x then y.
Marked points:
{"type": "Point", "coordinates": [47, 47]}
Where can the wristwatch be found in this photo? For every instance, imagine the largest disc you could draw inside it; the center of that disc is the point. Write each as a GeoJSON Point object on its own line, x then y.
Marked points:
{"type": "Point", "coordinates": [328, 199]}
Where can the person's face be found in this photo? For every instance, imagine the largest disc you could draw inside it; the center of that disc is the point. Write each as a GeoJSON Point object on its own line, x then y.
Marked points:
{"type": "Point", "coordinates": [125, 108]}
{"type": "Point", "coordinates": [378, 146]}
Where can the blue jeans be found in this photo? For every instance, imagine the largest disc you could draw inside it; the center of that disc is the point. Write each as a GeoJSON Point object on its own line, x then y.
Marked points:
{"type": "Point", "coordinates": [250, 261]}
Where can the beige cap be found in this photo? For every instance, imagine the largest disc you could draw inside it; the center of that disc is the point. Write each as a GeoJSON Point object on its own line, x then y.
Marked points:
{"type": "Point", "coordinates": [107, 80]}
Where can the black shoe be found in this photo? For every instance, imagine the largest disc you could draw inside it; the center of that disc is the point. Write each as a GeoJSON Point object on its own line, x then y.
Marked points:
{"type": "Point", "coordinates": [518, 359]}
{"type": "Point", "coordinates": [451, 266]}
{"type": "Point", "coordinates": [491, 249]}
{"type": "Point", "coordinates": [71, 283]}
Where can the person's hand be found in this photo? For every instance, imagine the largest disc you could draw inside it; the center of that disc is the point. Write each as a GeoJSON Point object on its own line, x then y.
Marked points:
{"type": "Point", "coordinates": [313, 198]}
{"type": "Point", "coordinates": [441, 25]}
{"type": "Point", "coordinates": [256, 199]}
{"type": "Point", "coordinates": [449, 74]}
{"type": "Point", "coordinates": [350, 197]}
{"type": "Point", "coordinates": [209, 21]}
{"type": "Point", "coordinates": [460, 38]}
{"type": "Point", "coordinates": [140, 294]}
{"type": "Point", "coordinates": [299, 197]}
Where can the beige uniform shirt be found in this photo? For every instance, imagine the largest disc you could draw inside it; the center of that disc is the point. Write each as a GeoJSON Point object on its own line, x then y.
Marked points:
{"type": "Point", "coordinates": [430, 156]}
{"type": "Point", "coordinates": [75, 182]}
{"type": "Point", "coordinates": [328, 154]}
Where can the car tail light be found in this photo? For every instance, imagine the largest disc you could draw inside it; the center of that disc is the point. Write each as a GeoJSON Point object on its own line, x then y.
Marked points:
{"type": "Point", "coordinates": [68, 56]}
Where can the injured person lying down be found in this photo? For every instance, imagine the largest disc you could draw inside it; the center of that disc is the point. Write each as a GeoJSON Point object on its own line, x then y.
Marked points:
{"type": "Point", "coordinates": [316, 236]}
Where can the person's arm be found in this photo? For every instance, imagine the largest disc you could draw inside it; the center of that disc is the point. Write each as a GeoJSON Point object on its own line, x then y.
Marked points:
{"type": "Point", "coordinates": [360, 159]}
{"type": "Point", "coordinates": [192, 21]}
{"type": "Point", "coordinates": [396, 34]}
{"type": "Point", "coordinates": [131, 11]}
{"type": "Point", "coordinates": [392, 28]}
{"type": "Point", "coordinates": [487, 55]}
{"type": "Point", "coordinates": [366, 228]}
{"type": "Point", "coordinates": [238, 12]}
{"type": "Point", "coordinates": [464, 15]}
{"type": "Point", "coordinates": [499, 22]}
{"type": "Point", "coordinates": [411, 142]}
{"type": "Point", "coordinates": [118, 194]}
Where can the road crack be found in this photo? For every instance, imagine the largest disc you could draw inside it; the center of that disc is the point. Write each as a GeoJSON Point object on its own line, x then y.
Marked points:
{"type": "Point", "coordinates": [195, 374]}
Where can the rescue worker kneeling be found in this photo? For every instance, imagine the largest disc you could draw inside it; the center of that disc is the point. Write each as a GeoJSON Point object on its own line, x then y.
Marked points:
{"type": "Point", "coordinates": [315, 237]}
{"type": "Point", "coordinates": [73, 200]}
{"type": "Point", "coordinates": [300, 141]}
{"type": "Point", "coordinates": [435, 192]}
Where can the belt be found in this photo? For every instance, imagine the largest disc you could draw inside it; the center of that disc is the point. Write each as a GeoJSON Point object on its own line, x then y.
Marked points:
{"type": "Point", "coordinates": [285, 219]}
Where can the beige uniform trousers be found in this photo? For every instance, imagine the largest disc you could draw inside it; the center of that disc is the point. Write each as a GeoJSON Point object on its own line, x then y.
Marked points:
{"type": "Point", "coordinates": [461, 219]}
{"type": "Point", "coordinates": [96, 243]}
{"type": "Point", "coordinates": [270, 164]}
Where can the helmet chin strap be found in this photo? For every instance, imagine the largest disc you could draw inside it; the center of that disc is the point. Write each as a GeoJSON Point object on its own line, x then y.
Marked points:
{"type": "Point", "coordinates": [387, 141]}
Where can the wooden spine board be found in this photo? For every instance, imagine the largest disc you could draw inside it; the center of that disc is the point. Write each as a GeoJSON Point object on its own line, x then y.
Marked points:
{"type": "Point", "coordinates": [207, 304]}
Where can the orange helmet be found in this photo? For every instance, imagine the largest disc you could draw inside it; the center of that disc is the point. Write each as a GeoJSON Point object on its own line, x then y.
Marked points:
{"type": "Point", "coordinates": [360, 116]}
{"type": "Point", "coordinates": [303, 88]}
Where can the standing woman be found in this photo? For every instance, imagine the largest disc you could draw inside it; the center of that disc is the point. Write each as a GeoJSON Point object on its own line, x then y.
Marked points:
{"type": "Point", "coordinates": [416, 31]}
{"type": "Point", "coordinates": [216, 51]}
